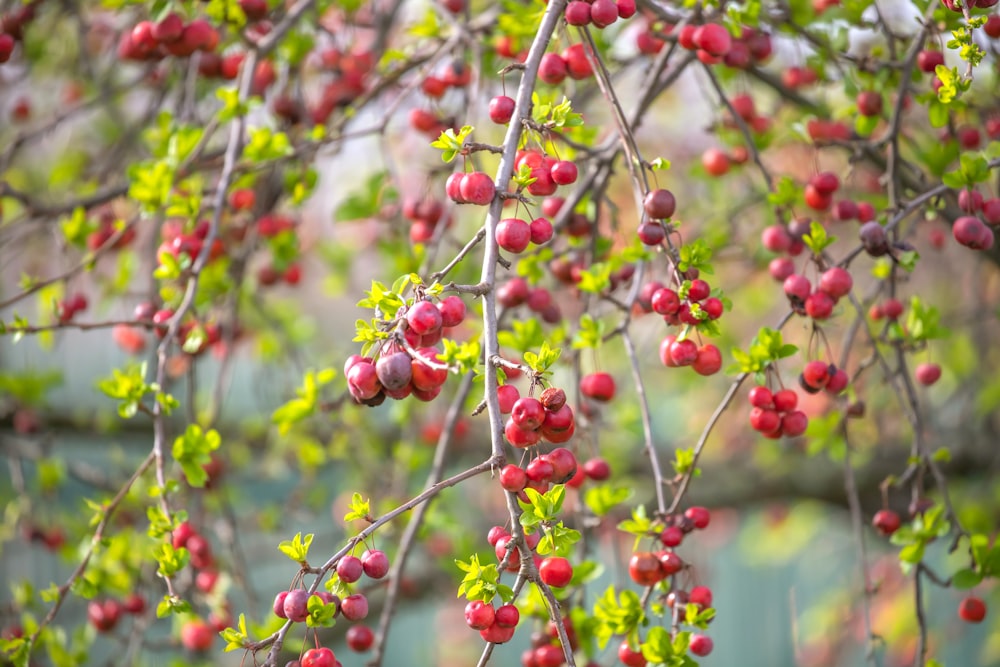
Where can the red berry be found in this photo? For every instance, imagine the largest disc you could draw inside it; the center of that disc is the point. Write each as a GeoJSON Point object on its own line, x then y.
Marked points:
{"type": "Point", "coordinates": [785, 400]}
{"type": "Point", "coordinates": [819, 305]}
{"type": "Point", "coordinates": [644, 568]}
{"type": "Point", "coordinates": [375, 563]}
{"type": "Point", "coordinates": [360, 638]}
{"type": "Point", "coordinates": [563, 172]}
{"type": "Point", "coordinates": [424, 317]}
{"type": "Point", "coordinates": [629, 657]}
{"type": "Point", "coordinates": [578, 13]}
{"type": "Point", "coordinates": [508, 395]}
{"type": "Point", "coordinates": [651, 233]}
{"type": "Point", "coordinates": [764, 421]}
{"type": "Point", "coordinates": [319, 657]}
{"type": "Point", "coordinates": [714, 39]}
{"type": "Point", "coordinates": [836, 282]}
{"type": "Point", "coordinates": [603, 13]}
{"type": "Point", "coordinates": [683, 352]}
{"type": "Point", "coordinates": [354, 607]}
{"type": "Point", "coordinates": [541, 231]}
{"type": "Point", "coordinates": [776, 238]}
{"type": "Point", "coordinates": [761, 397]}
{"type": "Point", "coordinates": [927, 373]}
{"type": "Point", "coordinates": [598, 386]}
{"type": "Point", "coordinates": [708, 361]}
{"type": "Point", "coordinates": [528, 413]}
{"type": "Point", "coordinates": [296, 605]}
{"type": "Point", "coordinates": [477, 188]}
{"type": "Point", "coordinates": [972, 610]}
{"type": "Point", "coordinates": [886, 522]}
{"type": "Point", "coordinates": [794, 423]}
{"type": "Point", "coordinates": [552, 69]}
{"type": "Point", "coordinates": [479, 615]}
{"type": "Point", "coordinates": [869, 103]}
{"type": "Point", "coordinates": [555, 571]}
{"type": "Point", "coordinates": [700, 645]}
{"type": "Point", "coordinates": [513, 235]}
{"type": "Point", "coordinates": [197, 635]}
{"type": "Point", "coordinates": [928, 60]}
{"type": "Point", "coordinates": [501, 109]}
{"type": "Point", "coordinates": [816, 374]}
{"type": "Point", "coordinates": [597, 469]}
{"type": "Point", "coordinates": [660, 204]}
{"type": "Point", "coordinates": [699, 516]}
{"type": "Point", "coordinates": [671, 536]}
{"type": "Point", "coordinates": [825, 182]}
{"type": "Point", "coordinates": [507, 616]}
{"type": "Point", "coordinates": [715, 162]}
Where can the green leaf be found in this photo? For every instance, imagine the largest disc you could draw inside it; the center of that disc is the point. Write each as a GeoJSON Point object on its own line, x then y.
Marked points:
{"type": "Point", "coordinates": [359, 509]}
{"type": "Point", "coordinates": [193, 450]}
{"type": "Point", "coordinates": [817, 239]}
{"type": "Point", "coordinates": [297, 548]}
{"type": "Point", "coordinates": [450, 144]}
{"type": "Point", "coordinates": [617, 614]}
{"type": "Point", "coordinates": [966, 579]}
{"type": "Point", "coordinates": [603, 498]}
{"type": "Point", "coordinates": [658, 647]}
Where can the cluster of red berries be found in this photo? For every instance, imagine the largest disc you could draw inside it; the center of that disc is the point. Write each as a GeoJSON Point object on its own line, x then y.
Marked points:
{"type": "Point", "coordinates": [745, 108]}
{"type": "Point", "coordinates": [68, 307]}
{"type": "Point", "coordinates": [424, 216]}
{"type": "Point", "coordinates": [395, 373]}
{"type": "Point", "coordinates": [516, 292]}
{"type": "Point", "coordinates": [531, 419]}
{"type": "Point", "coordinates": [572, 62]}
{"type": "Point", "coordinates": [556, 467]}
{"type": "Point", "coordinates": [549, 173]}
{"type": "Point", "coordinates": [658, 204]}
{"type": "Point", "coordinates": [495, 625]}
{"type": "Point", "coordinates": [456, 74]}
{"type": "Point", "coordinates": [690, 306]}
{"type": "Point", "coordinates": [715, 45]}
{"type": "Point", "coordinates": [470, 188]}
{"type": "Point", "coordinates": [106, 229]}
{"type": "Point", "coordinates": [600, 13]}
{"type": "Point", "coordinates": [105, 614]}
{"type": "Point", "coordinates": [834, 283]}
{"type": "Point", "coordinates": [546, 649]}
{"type": "Point", "coordinates": [647, 568]}
{"type": "Point", "coordinates": [775, 414]}
{"type": "Point", "coordinates": [168, 36]}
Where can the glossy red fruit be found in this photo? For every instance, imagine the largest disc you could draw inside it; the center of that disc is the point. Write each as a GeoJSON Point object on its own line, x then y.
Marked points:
{"type": "Point", "coordinates": [501, 109]}
{"type": "Point", "coordinates": [785, 400]}
{"type": "Point", "coordinates": [603, 13]}
{"type": "Point", "coordinates": [683, 352]}
{"type": "Point", "coordinates": [552, 69]}
{"type": "Point", "coordinates": [541, 231]}
{"type": "Point", "coordinates": [794, 423]}
{"type": "Point", "coordinates": [319, 657]}
{"type": "Point", "coordinates": [660, 204]}
{"type": "Point", "coordinates": [479, 615]}
{"type": "Point", "coordinates": [644, 568]}
{"type": "Point", "coordinates": [700, 645]}
{"type": "Point", "coordinates": [563, 462]}
{"type": "Point", "coordinates": [360, 638]}
{"type": "Point", "coordinates": [507, 616]}
{"type": "Point", "coordinates": [869, 103]}
{"type": "Point", "coordinates": [563, 172]}
{"type": "Point", "coordinates": [497, 634]}
{"type": "Point", "coordinates": [477, 188]}
{"type": "Point", "coordinates": [927, 373]}
{"type": "Point", "coordinates": [197, 635]}
{"type": "Point", "coordinates": [629, 657]}
{"type": "Point", "coordinates": [521, 437]}
{"type": "Point", "coordinates": [708, 361]}
{"type": "Point", "coordinates": [699, 516]}
{"type": "Point", "coordinates": [972, 610]}
{"type": "Point", "coordinates": [928, 60]}
{"type": "Point", "coordinates": [714, 39]}
{"type": "Point", "coordinates": [972, 233]}
{"type": "Point", "coordinates": [764, 421]}
{"type": "Point", "coordinates": [424, 318]}
{"type": "Point", "coordinates": [555, 571]}
{"type": "Point", "coordinates": [528, 413]}
{"type": "Point", "coordinates": [354, 607]}
{"type": "Point", "coordinates": [296, 605]}
{"type": "Point", "coordinates": [836, 281]}
{"type": "Point", "coordinates": [761, 397]}
{"type": "Point", "coordinates": [715, 162]}
{"type": "Point", "coordinates": [651, 233]}
{"type": "Point", "coordinates": [671, 536]}
{"type": "Point", "coordinates": [375, 563]}
{"type": "Point", "coordinates": [598, 386]}
{"type": "Point", "coordinates": [597, 469]}
{"type": "Point", "coordinates": [104, 614]}
{"type": "Point", "coordinates": [886, 522]}
{"type": "Point", "coordinates": [665, 301]}
{"type": "Point", "coordinates": [776, 238]}
{"type": "Point", "coordinates": [508, 395]}
{"type": "Point", "coordinates": [513, 235]}
{"type": "Point", "coordinates": [513, 478]}
{"type": "Point", "coordinates": [670, 563]}
{"type": "Point", "coordinates": [578, 13]}
{"type": "Point", "coordinates": [816, 374]}
{"type": "Point", "coordinates": [819, 305]}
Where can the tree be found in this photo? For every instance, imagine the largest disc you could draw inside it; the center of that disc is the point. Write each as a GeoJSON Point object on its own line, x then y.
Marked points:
{"type": "Point", "coordinates": [517, 236]}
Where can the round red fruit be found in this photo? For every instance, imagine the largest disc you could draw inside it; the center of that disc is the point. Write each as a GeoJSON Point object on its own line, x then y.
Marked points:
{"type": "Point", "coordinates": [507, 616]}
{"type": "Point", "coordinates": [927, 373]}
{"type": "Point", "coordinates": [708, 361]}
{"type": "Point", "coordinates": [972, 610]}
{"type": "Point", "coordinates": [836, 281]}
{"type": "Point", "coordinates": [552, 69]}
{"type": "Point", "coordinates": [660, 204]}
{"type": "Point", "coordinates": [598, 386]}
{"type": "Point", "coordinates": [197, 635]}
{"type": "Point", "coordinates": [714, 39]}
{"type": "Point", "coordinates": [477, 188]}
{"type": "Point", "coordinates": [597, 469]}
{"type": "Point", "coordinates": [501, 109]}
{"type": "Point", "coordinates": [761, 397]}
{"type": "Point", "coordinates": [375, 563]}
{"type": "Point", "coordinates": [701, 645]}
{"type": "Point", "coordinates": [886, 522]}
{"type": "Point", "coordinates": [360, 638]}
{"type": "Point", "coordinates": [513, 235]}
{"type": "Point", "coordinates": [479, 615]}
{"type": "Point", "coordinates": [644, 568]}
{"type": "Point", "coordinates": [319, 657]}
{"type": "Point", "coordinates": [629, 657]}
{"type": "Point", "coordinates": [699, 516]}
{"type": "Point", "coordinates": [563, 172]}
